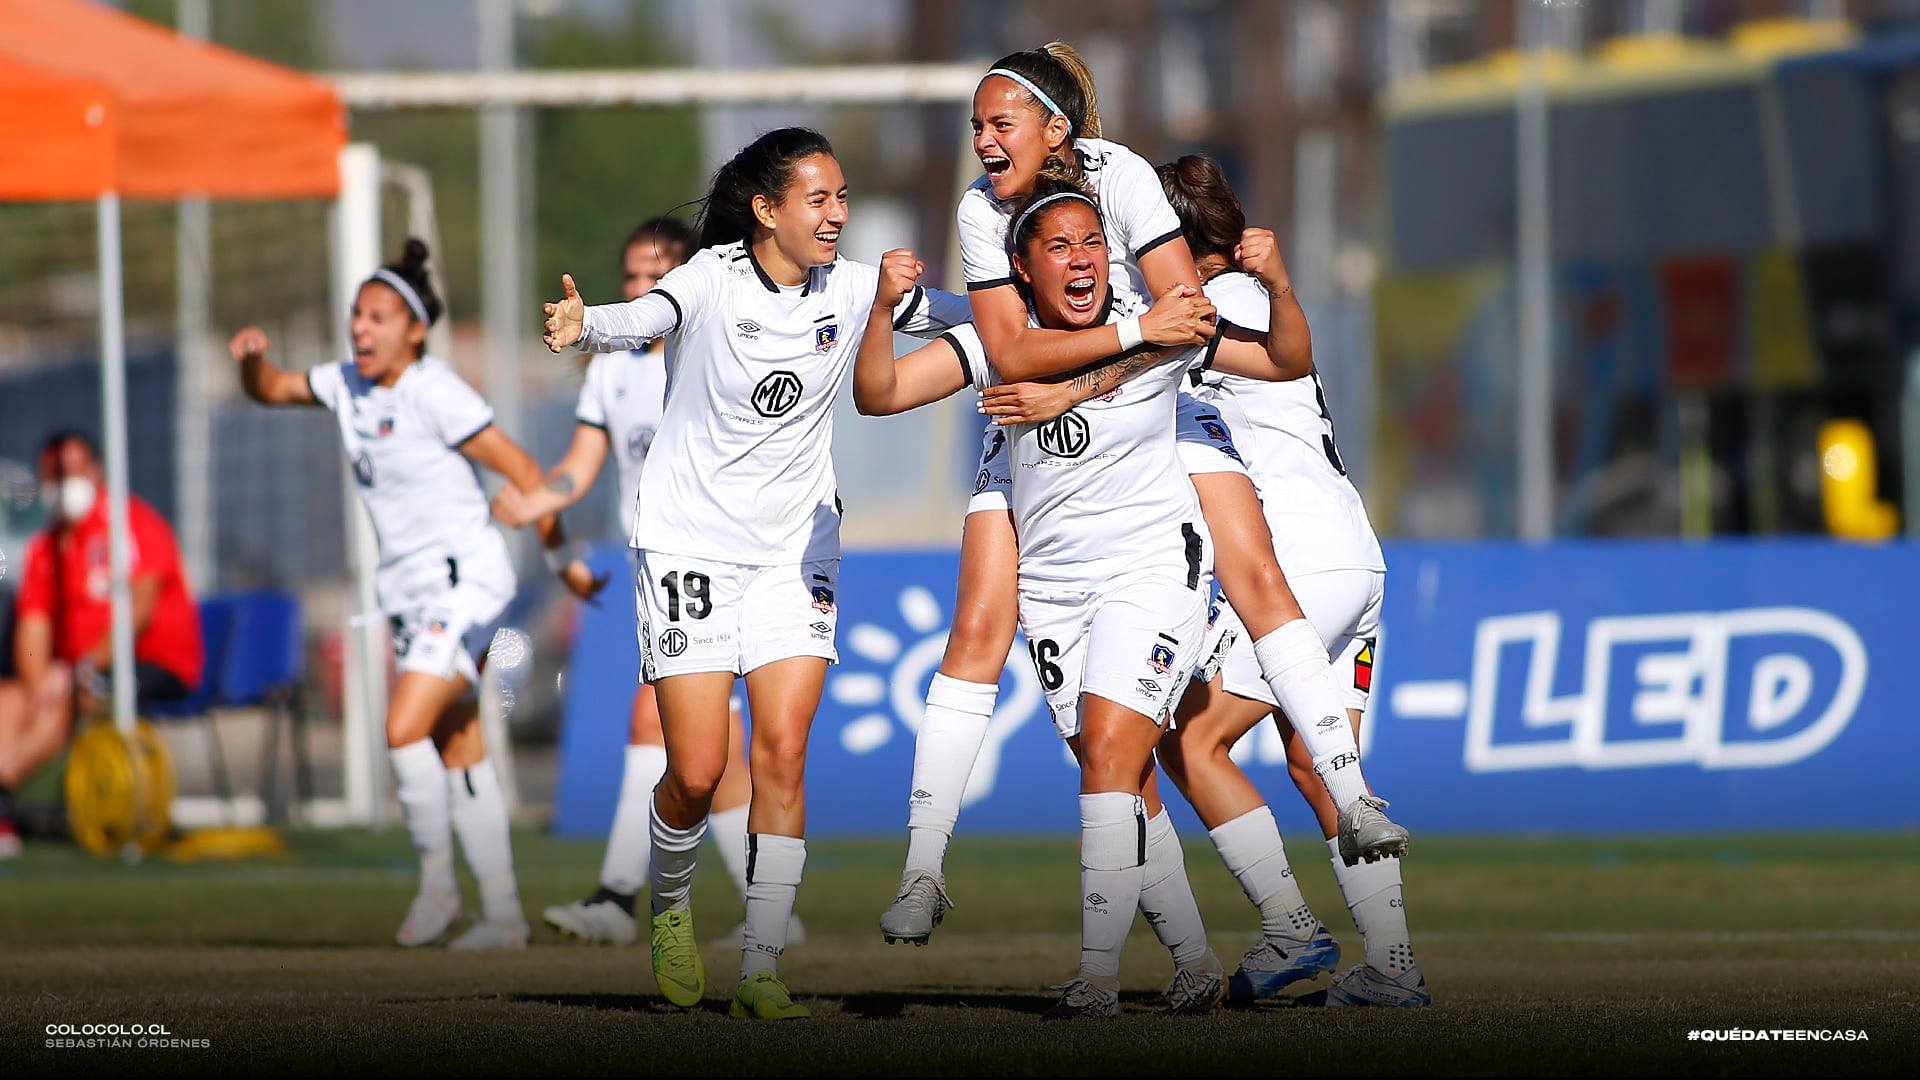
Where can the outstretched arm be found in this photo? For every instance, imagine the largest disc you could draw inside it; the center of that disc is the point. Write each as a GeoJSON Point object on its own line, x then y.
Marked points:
{"type": "Point", "coordinates": [263, 380]}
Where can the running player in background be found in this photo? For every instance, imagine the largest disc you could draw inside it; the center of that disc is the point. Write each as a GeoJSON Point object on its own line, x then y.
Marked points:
{"type": "Point", "coordinates": [414, 433]}
{"type": "Point", "coordinates": [619, 412]}
{"type": "Point", "coordinates": [1327, 546]}
{"type": "Point", "coordinates": [1036, 119]}
{"type": "Point", "coordinates": [738, 521]}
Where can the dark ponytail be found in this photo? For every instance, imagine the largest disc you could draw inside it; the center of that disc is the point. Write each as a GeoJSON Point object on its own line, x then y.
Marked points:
{"type": "Point", "coordinates": [1210, 215]}
{"type": "Point", "coordinates": [764, 167]}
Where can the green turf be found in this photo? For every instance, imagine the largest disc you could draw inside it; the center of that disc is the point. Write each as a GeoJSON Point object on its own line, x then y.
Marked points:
{"type": "Point", "coordinates": [1544, 956]}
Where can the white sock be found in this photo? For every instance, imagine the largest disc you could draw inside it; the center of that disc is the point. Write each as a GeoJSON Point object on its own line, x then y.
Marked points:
{"type": "Point", "coordinates": [1166, 897]}
{"type": "Point", "coordinates": [1294, 661]}
{"type": "Point", "coordinates": [943, 755]}
{"type": "Point", "coordinates": [1113, 853]}
{"type": "Point", "coordinates": [774, 864]}
{"type": "Point", "coordinates": [421, 781]}
{"type": "Point", "coordinates": [1250, 846]}
{"type": "Point", "coordinates": [1373, 894]}
{"type": "Point", "coordinates": [480, 817]}
{"type": "Point", "coordinates": [729, 831]}
{"type": "Point", "coordinates": [624, 867]}
{"type": "Point", "coordinates": [675, 851]}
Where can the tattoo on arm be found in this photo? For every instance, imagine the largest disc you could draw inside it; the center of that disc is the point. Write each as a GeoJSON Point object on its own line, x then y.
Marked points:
{"type": "Point", "coordinates": [1096, 381]}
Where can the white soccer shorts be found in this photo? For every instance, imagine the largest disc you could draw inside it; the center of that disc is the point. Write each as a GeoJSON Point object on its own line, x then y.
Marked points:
{"type": "Point", "coordinates": [1134, 642]}
{"type": "Point", "coordinates": [705, 615]}
{"type": "Point", "coordinates": [1344, 608]}
{"type": "Point", "coordinates": [993, 484]}
{"type": "Point", "coordinates": [443, 624]}
{"type": "Point", "coordinates": [1204, 438]}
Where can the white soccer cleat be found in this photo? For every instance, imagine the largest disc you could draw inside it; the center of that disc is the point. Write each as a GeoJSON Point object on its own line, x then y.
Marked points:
{"type": "Point", "coordinates": [916, 909]}
{"type": "Point", "coordinates": [1196, 989]}
{"type": "Point", "coordinates": [490, 934]}
{"type": "Point", "coordinates": [601, 921]}
{"type": "Point", "coordinates": [1366, 833]}
{"type": "Point", "coordinates": [1365, 984]}
{"type": "Point", "coordinates": [1085, 998]}
{"type": "Point", "coordinates": [431, 914]}
{"type": "Point", "coordinates": [737, 937]}
{"type": "Point", "coordinates": [1276, 963]}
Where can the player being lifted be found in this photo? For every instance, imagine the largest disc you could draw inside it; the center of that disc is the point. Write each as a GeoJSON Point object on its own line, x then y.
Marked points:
{"type": "Point", "coordinates": [414, 433]}
{"type": "Point", "coordinates": [1110, 615]}
{"type": "Point", "coordinates": [738, 522]}
{"type": "Point", "coordinates": [1327, 546]}
{"type": "Point", "coordinates": [1035, 117]}
{"type": "Point", "coordinates": [618, 414]}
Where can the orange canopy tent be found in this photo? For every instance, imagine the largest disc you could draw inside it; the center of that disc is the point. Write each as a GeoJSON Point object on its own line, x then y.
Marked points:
{"type": "Point", "coordinates": [96, 104]}
{"type": "Point", "coordinates": [93, 100]}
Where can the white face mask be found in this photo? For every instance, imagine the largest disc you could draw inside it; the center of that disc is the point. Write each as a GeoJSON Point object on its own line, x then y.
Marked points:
{"type": "Point", "coordinates": [70, 499]}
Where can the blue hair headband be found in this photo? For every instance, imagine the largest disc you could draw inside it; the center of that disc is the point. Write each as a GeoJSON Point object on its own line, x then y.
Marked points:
{"type": "Point", "coordinates": [1034, 90]}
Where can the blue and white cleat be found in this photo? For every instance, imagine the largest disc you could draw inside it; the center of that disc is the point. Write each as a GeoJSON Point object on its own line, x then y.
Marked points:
{"type": "Point", "coordinates": [1275, 964]}
{"type": "Point", "coordinates": [1365, 984]}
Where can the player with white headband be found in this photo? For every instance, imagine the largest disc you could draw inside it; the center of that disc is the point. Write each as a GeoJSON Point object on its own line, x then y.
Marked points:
{"type": "Point", "coordinates": [1035, 118]}
{"type": "Point", "coordinates": [738, 521]}
{"type": "Point", "coordinates": [1109, 614]}
{"type": "Point", "coordinates": [414, 433]}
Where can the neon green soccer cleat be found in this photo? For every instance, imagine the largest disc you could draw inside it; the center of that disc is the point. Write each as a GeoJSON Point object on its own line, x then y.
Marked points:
{"type": "Point", "coordinates": [676, 959]}
{"type": "Point", "coordinates": [762, 996]}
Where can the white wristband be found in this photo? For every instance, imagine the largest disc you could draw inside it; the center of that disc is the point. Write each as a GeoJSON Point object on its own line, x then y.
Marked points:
{"type": "Point", "coordinates": [1130, 336]}
{"type": "Point", "coordinates": [558, 558]}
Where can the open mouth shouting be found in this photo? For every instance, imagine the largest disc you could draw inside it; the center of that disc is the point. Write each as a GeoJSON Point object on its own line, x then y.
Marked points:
{"type": "Point", "coordinates": [1080, 293]}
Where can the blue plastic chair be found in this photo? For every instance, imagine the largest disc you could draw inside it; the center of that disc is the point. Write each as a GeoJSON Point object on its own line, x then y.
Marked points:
{"type": "Point", "coordinates": [216, 637]}
{"type": "Point", "coordinates": [264, 662]}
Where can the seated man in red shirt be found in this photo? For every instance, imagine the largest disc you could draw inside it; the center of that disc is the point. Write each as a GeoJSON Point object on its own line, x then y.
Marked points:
{"type": "Point", "coordinates": [63, 645]}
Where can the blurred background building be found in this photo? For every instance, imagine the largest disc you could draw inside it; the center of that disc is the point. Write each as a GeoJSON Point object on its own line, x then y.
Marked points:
{"type": "Point", "coordinates": [1721, 199]}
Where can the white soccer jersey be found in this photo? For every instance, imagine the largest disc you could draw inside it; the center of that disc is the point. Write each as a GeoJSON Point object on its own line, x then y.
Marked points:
{"type": "Point", "coordinates": [1285, 433]}
{"type": "Point", "coordinates": [622, 396]}
{"type": "Point", "coordinates": [1099, 492]}
{"type": "Point", "coordinates": [1134, 213]}
{"type": "Point", "coordinates": [742, 464]}
{"type": "Point", "coordinates": [424, 497]}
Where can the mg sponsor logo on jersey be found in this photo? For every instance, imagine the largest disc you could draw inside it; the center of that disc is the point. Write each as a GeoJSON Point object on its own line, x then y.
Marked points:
{"type": "Point", "coordinates": [777, 394]}
{"type": "Point", "coordinates": [1065, 435]}
{"type": "Point", "coordinates": [1742, 689]}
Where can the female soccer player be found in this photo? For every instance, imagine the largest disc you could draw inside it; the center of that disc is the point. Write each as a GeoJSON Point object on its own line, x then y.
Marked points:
{"type": "Point", "coordinates": [1110, 617]}
{"type": "Point", "coordinates": [738, 523]}
{"type": "Point", "coordinates": [414, 432]}
{"type": "Point", "coordinates": [619, 410]}
{"type": "Point", "coordinates": [1035, 118]}
{"type": "Point", "coordinates": [1327, 546]}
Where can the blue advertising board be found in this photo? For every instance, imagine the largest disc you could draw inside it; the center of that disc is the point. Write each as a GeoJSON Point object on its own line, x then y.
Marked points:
{"type": "Point", "coordinates": [1576, 687]}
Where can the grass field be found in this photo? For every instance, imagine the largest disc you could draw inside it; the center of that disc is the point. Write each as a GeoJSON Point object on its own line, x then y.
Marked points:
{"type": "Point", "coordinates": [1545, 957]}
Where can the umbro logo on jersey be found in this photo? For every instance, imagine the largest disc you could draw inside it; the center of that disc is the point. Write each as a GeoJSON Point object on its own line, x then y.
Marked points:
{"type": "Point", "coordinates": [1096, 901]}
{"type": "Point", "coordinates": [1065, 436]}
{"type": "Point", "coordinates": [673, 642]}
{"type": "Point", "coordinates": [921, 793]}
{"type": "Point", "coordinates": [1150, 686]}
{"type": "Point", "coordinates": [1328, 723]}
{"type": "Point", "coordinates": [777, 394]}
{"type": "Point", "coordinates": [822, 628]}
{"type": "Point", "coordinates": [825, 336]}
{"type": "Point", "coordinates": [748, 329]}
